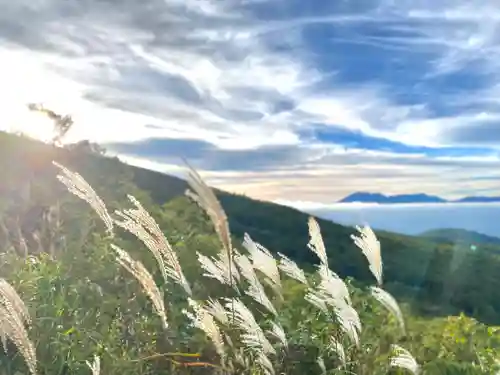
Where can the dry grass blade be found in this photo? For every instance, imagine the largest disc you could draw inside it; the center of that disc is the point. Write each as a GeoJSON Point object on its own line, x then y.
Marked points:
{"type": "Point", "coordinates": [390, 303]}
{"type": "Point", "coordinates": [77, 185]}
{"type": "Point", "coordinates": [316, 243]}
{"type": "Point", "coordinates": [141, 224]}
{"type": "Point", "coordinates": [370, 246]}
{"type": "Point", "coordinates": [204, 196]}
{"type": "Point", "coordinates": [12, 326]}
{"type": "Point", "coordinates": [146, 280]}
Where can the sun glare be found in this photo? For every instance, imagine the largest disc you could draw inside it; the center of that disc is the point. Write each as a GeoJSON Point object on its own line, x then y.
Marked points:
{"type": "Point", "coordinates": [32, 124]}
{"type": "Point", "coordinates": [26, 79]}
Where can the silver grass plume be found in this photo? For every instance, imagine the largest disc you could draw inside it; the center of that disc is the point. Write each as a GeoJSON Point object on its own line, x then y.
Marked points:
{"type": "Point", "coordinates": [204, 321]}
{"type": "Point", "coordinates": [8, 293]}
{"type": "Point", "coordinates": [323, 299]}
{"type": "Point", "coordinates": [10, 298]}
{"type": "Point", "coordinates": [345, 314]}
{"type": "Point", "coordinates": [338, 349]}
{"type": "Point", "coordinates": [255, 289]}
{"type": "Point", "coordinates": [370, 246]}
{"type": "Point", "coordinates": [390, 303]}
{"type": "Point", "coordinates": [241, 358]}
{"type": "Point", "coordinates": [216, 309]}
{"type": "Point", "coordinates": [142, 275]}
{"type": "Point", "coordinates": [218, 268]}
{"type": "Point", "coordinates": [332, 290]}
{"type": "Point", "coordinates": [95, 365]}
{"type": "Point", "coordinates": [204, 196]}
{"type": "Point", "coordinates": [291, 269]}
{"type": "Point", "coordinates": [278, 333]}
{"type": "Point", "coordinates": [265, 364]}
{"type": "Point", "coordinates": [318, 300]}
{"type": "Point", "coordinates": [12, 319]}
{"type": "Point", "coordinates": [264, 261]}
{"type": "Point", "coordinates": [77, 186]}
{"type": "Point", "coordinates": [403, 359]}
{"type": "Point", "coordinates": [332, 285]}
{"type": "Point", "coordinates": [316, 244]}
{"type": "Point", "coordinates": [349, 321]}
{"type": "Point", "coordinates": [252, 335]}
{"type": "Point", "coordinates": [140, 223]}
{"type": "Point", "coordinates": [321, 365]}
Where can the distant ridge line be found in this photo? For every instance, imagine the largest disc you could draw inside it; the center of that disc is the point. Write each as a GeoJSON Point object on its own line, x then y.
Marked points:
{"type": "Point", "coordinates": [368, 197]}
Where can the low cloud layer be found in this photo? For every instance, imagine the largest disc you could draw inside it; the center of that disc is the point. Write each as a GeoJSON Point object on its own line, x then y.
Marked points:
{"type": "Point", "coordinates": [272, 98]}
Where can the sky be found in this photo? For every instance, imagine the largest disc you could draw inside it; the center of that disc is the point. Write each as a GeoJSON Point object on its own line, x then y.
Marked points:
{"type": "Point", "coordinates": [281, 100]}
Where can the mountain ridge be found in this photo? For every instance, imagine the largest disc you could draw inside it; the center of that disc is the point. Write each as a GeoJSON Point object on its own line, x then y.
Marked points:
{"type": "Point", "coordinates": [369, 197]}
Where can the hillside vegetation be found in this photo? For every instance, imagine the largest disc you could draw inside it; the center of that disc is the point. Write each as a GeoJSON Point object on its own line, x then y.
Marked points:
{"type": "Point", "coordinates": [461, 236]}
{"type": "Point", "coordinates": [72, 275]}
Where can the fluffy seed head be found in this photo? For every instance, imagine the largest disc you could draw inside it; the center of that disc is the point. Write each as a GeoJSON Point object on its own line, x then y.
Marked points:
{"type": "Point", "coordinates": [13, 315]}
{"type": "Point", "coordinates": [370, 246]}
{"type": "Point", "coordinates": [403, 359]}
{"type": "Point", "coordinates": [390, 303]}
{"type": "Point", "coordinates": [291, 269]}
{"type": "Point", "coordinates": [141, 224]}
{"type": "Point", "coordinates": [77, 185]}
{"type": "Point", "coordinates": [316, 244]}
{"type": "Point", "coordinates": [146, 280]}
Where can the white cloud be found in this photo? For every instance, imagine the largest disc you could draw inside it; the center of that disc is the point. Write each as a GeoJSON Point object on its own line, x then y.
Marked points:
{"type": "Point", "coordinates": [338, 174]}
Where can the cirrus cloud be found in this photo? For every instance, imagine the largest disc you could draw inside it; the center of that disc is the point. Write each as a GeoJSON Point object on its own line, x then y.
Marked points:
{"type": "Point", "coordinates": [275, 98]}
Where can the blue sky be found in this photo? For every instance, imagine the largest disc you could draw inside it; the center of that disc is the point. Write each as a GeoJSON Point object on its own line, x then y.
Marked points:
{"type": "Point", "coordinates": [302, 101]}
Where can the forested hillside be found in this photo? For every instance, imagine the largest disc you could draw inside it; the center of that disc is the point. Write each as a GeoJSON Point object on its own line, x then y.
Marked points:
{"type": "Point", "coordinates": [58, 255]}
{"type": "Point", "coordinates": [461, 236]}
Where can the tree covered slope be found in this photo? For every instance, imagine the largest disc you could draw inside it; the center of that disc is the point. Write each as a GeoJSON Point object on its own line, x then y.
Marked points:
{"type": "Point", "coordinates": [454, 235]}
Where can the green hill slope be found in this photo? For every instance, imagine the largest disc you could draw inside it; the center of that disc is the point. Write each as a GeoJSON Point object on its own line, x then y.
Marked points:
{"type": "Point", "coordinates": [409, 262]}
{"type": "Point", "coordinates": [84, 303]}
{"type": "Point", "coordinates": [453, 235]}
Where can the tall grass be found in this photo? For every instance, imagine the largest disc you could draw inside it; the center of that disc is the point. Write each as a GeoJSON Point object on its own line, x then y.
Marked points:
{"type": "Point", "coordinates": [243, 323]}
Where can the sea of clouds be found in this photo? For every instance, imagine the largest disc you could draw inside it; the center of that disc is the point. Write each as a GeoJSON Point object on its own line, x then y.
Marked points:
{"type": "Point", "coordinates": [413, 218]}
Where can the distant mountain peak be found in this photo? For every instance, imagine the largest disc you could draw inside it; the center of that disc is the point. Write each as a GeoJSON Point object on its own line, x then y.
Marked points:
{"type": "Point", "coordinates": [367, 197]}
{"type": "Point", "coordinates": [370, 197]}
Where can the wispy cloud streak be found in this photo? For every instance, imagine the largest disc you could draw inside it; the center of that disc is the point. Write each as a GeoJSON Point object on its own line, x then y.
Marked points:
{"type": "Point", "coordinates": [407, 89]}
